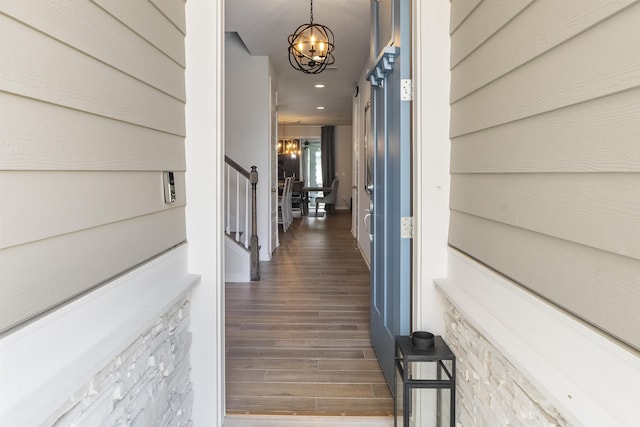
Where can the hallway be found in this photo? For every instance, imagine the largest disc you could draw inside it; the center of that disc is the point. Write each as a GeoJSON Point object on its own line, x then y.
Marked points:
{"type": "Point", "coordinates": [297, 342]}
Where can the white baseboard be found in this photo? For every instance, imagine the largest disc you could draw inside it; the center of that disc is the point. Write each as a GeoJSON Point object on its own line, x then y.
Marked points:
{"type": "Point", "coordinates": [304, 421]}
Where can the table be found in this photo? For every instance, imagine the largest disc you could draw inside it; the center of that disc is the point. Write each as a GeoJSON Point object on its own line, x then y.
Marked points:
{"type": "Point", "coordinates": [306, 191]}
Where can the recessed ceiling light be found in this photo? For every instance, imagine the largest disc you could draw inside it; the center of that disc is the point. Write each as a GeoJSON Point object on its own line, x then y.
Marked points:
{"type": "Point", "coordinates": [320, 108]}
{"type": "Point", "coordinates": [319, 85]}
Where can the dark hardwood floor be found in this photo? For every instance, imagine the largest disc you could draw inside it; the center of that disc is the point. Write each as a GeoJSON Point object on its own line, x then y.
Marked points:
{"type": "Point", "coordinates": [297, 342]}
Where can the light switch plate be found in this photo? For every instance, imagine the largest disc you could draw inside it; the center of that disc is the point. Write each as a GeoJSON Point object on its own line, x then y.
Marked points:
{"type": "Point", "coordinates": [169, 187]}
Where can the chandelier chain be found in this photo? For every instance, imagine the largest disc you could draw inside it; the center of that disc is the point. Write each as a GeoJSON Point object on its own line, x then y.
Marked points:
{"type": "Point", "coordinates": [311, 20]}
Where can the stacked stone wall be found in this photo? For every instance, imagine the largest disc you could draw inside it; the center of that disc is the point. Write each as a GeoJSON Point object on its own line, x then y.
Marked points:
{"type": "Point", "coordinates": [491, 391]}
{"type": "Point", "coordinates": [147, 384]}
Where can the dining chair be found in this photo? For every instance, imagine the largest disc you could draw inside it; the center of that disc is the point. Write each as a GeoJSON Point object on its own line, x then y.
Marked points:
{"type": "Point", "coordinates": [329, 200]}
{"type": "Point", "coordinates": [298, 197]}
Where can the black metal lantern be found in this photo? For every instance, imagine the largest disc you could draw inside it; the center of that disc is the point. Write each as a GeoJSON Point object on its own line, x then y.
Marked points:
{"type": "Point", "coordinates": [425, 378]}
{"type": "Point", "coordinates": [311, 47]}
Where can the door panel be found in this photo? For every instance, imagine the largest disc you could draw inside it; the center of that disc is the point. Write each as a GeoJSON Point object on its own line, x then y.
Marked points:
{"type": "Point", "coordinates": [391, 192]}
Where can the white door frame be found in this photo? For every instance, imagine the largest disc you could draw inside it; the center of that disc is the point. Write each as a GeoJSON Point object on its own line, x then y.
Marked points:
{"type": "Point", "coordinates": [205, 157]}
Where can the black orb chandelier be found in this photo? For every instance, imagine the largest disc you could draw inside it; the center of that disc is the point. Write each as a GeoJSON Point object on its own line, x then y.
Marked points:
{"type": "Point", "coordinates": [311, 47]}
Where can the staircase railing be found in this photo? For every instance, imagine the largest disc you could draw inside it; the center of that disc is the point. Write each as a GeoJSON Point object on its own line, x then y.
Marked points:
{"type": "Point", "coordinates": [240, 210]}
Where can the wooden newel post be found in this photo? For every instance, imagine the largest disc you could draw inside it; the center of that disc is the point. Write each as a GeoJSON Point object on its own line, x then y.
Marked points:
{"type": "Point", "coordinates": [254, 248]}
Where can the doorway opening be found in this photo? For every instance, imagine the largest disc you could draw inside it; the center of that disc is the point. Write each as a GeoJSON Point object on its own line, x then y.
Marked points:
{"type": "Point", "coordinates": [333, 273]}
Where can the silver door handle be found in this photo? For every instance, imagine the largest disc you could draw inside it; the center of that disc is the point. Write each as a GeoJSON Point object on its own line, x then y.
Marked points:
{"type": "Point", "coordinates": [368, 228]}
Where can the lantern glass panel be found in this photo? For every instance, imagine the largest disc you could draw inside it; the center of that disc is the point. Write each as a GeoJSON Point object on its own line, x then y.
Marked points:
{"type": "Point", "coordinates": [428, 370]}
{"type": "Point", "coordinates": [425, 385]}
{"type": "Point", "coordinates": [399, 399]}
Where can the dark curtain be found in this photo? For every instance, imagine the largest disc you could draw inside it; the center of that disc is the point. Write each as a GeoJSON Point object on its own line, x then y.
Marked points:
{"type": "Point", "coordinates": [327, 148]}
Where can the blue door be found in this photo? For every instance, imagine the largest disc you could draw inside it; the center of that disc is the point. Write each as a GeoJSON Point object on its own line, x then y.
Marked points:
{"type": "Point", "coordinates": [391, 187]}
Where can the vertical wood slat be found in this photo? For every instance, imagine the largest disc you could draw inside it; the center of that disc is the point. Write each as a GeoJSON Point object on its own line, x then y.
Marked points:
{"type": "Point", "coordinates": [241, 200]}
{"type": "Point", "coordinates": [247, 190]}
{"type": "Point", "coordinates": [228, 202]}
{"type": "Point", "coordinates": [237, 206]}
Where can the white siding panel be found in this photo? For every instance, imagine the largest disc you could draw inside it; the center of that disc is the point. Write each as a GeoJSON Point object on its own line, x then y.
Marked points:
{"type": "Point", "coordinates": [597, 286]}
{"type": "Point", "coordinates": [174, 11]}
{"type": "Point", "coordinates": [598, 136]}
{"type": "Point", "coordinates": [600, 61]}
{"type": "Point", "coordinates": [38, 275]}
{"type": "Point", "coordinates": [143, 18]}
{"type": "Point", "coordinates": [460, 9]}
{"type": "Point", "coordinates": [36, 135]}
{"type": "Point", "coordinates": [487, 18]}
{"type": "Point", "coordinates": [86, 27]}
{"type": "Point", "coordinates": [545, 25]}
{"type": "Point", "coordinates": [597, 210]}
{"type": "Point", "coordinates": [545, 158]}
{"type": "Point", "coordinates": [64, 76]}
{"type": "Point", "coordinates": [47, 204]}
{"type": "Point", "coordinates": [91, 113]}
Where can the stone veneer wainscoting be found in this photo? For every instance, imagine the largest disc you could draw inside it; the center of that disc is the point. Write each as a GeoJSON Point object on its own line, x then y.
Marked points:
{"type": "Point", "coordinates": [147, 384]}
{"type": "Point", "coordinates": [490, 390]}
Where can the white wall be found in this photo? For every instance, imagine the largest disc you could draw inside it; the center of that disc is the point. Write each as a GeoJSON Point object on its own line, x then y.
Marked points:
{"type": "Point", "coordinates": [247, 118]}
{"type": "Point", "coordinates": [286, 131]}
{"type": "Point", "coordinates": [205, 160]}
{"type": "Point", "coordinates": [431, 150]}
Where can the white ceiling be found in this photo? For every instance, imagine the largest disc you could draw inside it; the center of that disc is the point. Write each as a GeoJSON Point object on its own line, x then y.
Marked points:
{"type": "Point", "coordinates": [264, 25]}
